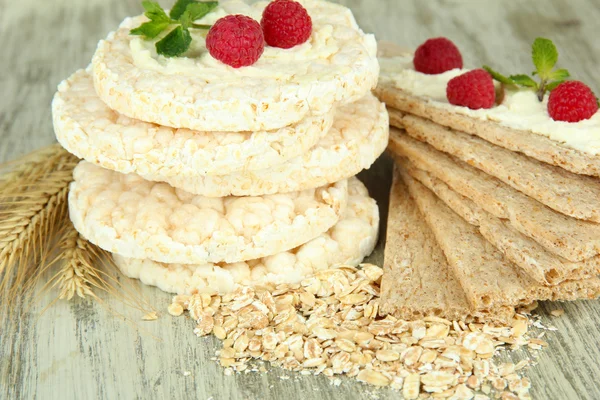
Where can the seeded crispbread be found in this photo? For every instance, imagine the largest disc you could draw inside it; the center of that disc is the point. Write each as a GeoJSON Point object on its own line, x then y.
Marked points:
{"type": "Point", "coordinates": [417, 281]}
{"type": "Point", "coordinates": [127, 215]}
{"type": "Point", "coordinates": [487, 277]}
{"type": "Point", "coordinates": [574, 195]}
{"type": "Point", "coordinates": [571, 238]}
{"type": "Point", "coordinates": [88, 128]}
{"type": "Point", "coordinates": [529, 143]}
{"type": "Point", "coordinates": [351, 239]}
{"type": "Point", "coordinates": [541, 265]}
{"type": "Point", "coordinates": [358, 136]}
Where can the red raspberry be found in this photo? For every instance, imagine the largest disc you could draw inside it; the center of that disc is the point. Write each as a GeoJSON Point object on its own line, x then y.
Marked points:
{"type": "Point", "coordinates": [286, 24]}
{"type": "Point", "coordinates": [436, 56]}
{"type": "Point", "coordinates": [474, 89]}
{"type": "Point", "coordinates": [572, 101]}
{"type": "Point", "coordinates": [236, 40]}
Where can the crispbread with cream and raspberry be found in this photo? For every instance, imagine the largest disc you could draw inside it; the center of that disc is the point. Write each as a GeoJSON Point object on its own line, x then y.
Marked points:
{"type": "Point", "coordinates": [541, 265]}
{"type": "Point", "coordinates": [574, 195]}
{"type": "Point", "coordinates": [571, 238]}
{"type": "Point", "coordinates": [358, 136]}
{"type": "Point", "coordinates": [351, 239]}
{"type": "Point", "coordinates": [127, 215]}
{"type": "Point", "coordinates": [487, 277]}
{"type": "Point", "coordinates": [417, 281]}
{"type": "Point", "coordinates": [88, 128]}
{"type": "Point", "coordinates": [522, 124]}
{"type": "Point", "coordinates": [337, 65]}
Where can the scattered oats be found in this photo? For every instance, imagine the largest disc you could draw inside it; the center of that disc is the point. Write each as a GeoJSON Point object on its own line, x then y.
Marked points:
{"type": "Point", "coordinates": [329, 325]}
{"type": "Point", "coordinates": [557, 312]}
{"type": "Point", "coordinates": [151, 316]}
{"type": "Point", "coordinates": [175, 309]}
{"type": "Point", "coordinates": [187, 373]}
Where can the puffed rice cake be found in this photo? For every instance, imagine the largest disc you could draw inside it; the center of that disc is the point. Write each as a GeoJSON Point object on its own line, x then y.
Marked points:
{"type": "Point", "coordinates": [359, 135]}
{"type": "Point", "coordinates": [351, 239]}
{"type": "Point", "coordinates": [88, 128]}
{"type": "Point", "coordinates": [127, 215]}
{"type": "Point", "coordinates": [337, 65]}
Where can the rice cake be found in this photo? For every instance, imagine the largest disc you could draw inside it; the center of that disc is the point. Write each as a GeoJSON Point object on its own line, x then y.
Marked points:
{"type": "Point", "coordinates": [541, 265]}
{"type": "Point", "coordinates": [337, 65]}
{"type": "Point", "coordinates": [358, 136]}
{"type": "Point", "coordinates": [574, 195]}
{"type": "Point", "coordinates": [351, 239]}
{"type": "Point", "coordinates": [88, 128]}
{"type": "Point", "coordinates": [417, 281]}
{"type": "Point", "coordinates": [488, 279]}
{"type": "Point", "coordinates": [132, 217]}
{"type": "Point", "coordinates": [573, 239]}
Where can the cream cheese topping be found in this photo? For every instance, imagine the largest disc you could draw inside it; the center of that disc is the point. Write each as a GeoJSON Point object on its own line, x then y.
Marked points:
{"type": "Point", "coordinates": [519, 110]}
{"type": "Point", "coordinates": [335, 40]}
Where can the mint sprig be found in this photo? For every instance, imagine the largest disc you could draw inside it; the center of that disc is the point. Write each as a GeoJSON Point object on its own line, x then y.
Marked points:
{"type": "Point", "coordinates": [181, 19]}
{"type": "Point", "coordinates": [544, 56]}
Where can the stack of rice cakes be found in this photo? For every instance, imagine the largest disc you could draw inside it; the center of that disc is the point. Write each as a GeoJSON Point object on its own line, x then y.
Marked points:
{"type": "Point", "coordinates": [201, 180]}
{"type": "Point", "coordinates": [508, 216]}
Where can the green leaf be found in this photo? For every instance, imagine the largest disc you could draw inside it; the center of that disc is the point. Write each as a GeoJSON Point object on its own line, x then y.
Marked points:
{"type": "Point", "coordinates": [544, 55]}
{"type": "Point", "coordinates": [179, 8]}
{"type": "Point", "coordinates": [175, 43]}
{"type": "Point", "coordinates": [150, 29]}
{"type": "Point", "coordinates": [154, 11]}
{"type": "Point", "coordinates": [498, 76]}
{"type": "Point", "coordinates": [199, 10]}
{"type": "Point", "coordinates": [559, 74]}
{"type": "Point", "coordinates": [523, 80]}
{"type": "Point", "coordinates": [552, 85]}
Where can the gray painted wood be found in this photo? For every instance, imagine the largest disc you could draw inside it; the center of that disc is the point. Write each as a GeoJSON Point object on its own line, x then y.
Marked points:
{"type": "Point", "coordinates": [82, 350]}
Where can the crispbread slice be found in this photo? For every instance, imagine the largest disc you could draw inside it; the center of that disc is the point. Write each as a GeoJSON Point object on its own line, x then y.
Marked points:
{"type": "Point", "coordinates": [543, 266]}
{"type": "Point", "coordinates": [488, 279]}
{"type": "Point", "coordinates": [575, 195]}
{"type": "Point", "coordinates": [417, 281]}
{"type": "Point", "coordinates": [573, 239]}
{"type": "Point", "coordinates": [529, 143]}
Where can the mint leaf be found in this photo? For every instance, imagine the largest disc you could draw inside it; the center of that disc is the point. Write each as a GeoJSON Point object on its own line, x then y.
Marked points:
{"type": "Point", "coordinates": [498, 76]}
{"type": "Point", "coordinates": [199, 10]}
{"type": "Point", "coordinates": [544, 55]}
{"type": "Point", "coordinates": [179, 8]}
{"type": "Point", "coordinates": [524, 80]}
{"type": "Point", "coordinates": [150, 29]}
{"type": "Point", "coordinates": [559, 74]}
{"type": "Point", "coordinates": [175, 43]}
{"type": "Point", "coordinates": [552, 85]}
{"type": "Point", "coordinates": [154, 11]}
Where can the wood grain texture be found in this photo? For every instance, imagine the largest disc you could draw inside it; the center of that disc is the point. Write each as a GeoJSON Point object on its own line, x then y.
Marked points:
{"type": "Point", "coordinates": [82, 350]}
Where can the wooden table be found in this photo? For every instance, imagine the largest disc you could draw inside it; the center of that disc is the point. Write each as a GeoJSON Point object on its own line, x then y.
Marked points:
{"type": "Point", "coordinates": [79, 350]}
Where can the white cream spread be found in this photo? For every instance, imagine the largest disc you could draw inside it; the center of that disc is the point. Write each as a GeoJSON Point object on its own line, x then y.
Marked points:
{"type": "Point", "coordinates": [519, 110]}
{"type": "Point", "coordinates": [332, 47]}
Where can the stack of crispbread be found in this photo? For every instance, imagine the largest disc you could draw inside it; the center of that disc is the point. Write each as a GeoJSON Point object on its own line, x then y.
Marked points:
{"type": "Point", "coordinates": [199, 176]}
{"type": "Point", "coordinates": [506, 216]}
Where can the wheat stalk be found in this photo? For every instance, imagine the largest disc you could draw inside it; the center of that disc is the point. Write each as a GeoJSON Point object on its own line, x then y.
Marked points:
{"type": "Point", "coordinates": [34, 226]}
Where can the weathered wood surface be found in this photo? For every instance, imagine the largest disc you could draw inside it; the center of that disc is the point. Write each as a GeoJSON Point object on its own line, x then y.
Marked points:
{"type": "Point", "coordinates": [80, 350]}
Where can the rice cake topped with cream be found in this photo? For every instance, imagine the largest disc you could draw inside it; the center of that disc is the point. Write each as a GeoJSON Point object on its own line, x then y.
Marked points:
{"type": "Point", "coordinates": [337, 65]}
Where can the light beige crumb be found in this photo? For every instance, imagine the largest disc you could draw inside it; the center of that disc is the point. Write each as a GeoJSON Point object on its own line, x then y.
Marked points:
{"type": "Point", "coordinates": [151, 316]}
{"type": "Point", "coordinates": [557, 312]}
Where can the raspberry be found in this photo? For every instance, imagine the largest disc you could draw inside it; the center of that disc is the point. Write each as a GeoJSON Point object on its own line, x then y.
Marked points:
{"type": "Point", "coordinates": [572, 101]}
{"type": "Point", "coordinates": [436, 56]}
{"type": "Point", "coordinates": [236, 40]}
{"type": "Point", "coordinates": [285, 24]}
{"type": "Point", "coordinates": [474, 89]}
